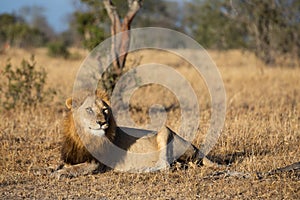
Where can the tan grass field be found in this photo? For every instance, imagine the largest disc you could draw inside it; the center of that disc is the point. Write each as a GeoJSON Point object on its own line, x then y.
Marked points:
{"type": "Point", "coordinates": [261, 133]}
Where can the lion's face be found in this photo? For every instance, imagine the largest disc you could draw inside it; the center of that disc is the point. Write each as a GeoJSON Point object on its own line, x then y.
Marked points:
{"type": "Point", "coordinates": [94, 114]}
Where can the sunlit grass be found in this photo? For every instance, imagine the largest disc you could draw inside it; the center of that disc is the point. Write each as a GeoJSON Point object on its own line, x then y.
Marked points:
{"type": "Point", "coordinates": [261, 132]}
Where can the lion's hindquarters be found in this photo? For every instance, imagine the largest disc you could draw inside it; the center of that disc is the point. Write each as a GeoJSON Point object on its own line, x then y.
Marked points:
{"type": "Point", "coordinates": [176, 147]}
{"type": "Point", "coordinates": [162, 149]}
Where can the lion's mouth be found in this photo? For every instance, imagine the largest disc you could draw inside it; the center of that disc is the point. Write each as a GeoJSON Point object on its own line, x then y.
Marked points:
{"type": "Point", "coordinates": [102, 127]}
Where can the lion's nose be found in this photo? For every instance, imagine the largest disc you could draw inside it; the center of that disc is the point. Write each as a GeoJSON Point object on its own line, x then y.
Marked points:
{"type": "Point", "coordinates": [100, 123]}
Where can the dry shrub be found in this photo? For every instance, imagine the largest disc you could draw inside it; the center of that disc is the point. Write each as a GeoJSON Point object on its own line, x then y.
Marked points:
{"type": "Point", "coordinates": [24, 85]}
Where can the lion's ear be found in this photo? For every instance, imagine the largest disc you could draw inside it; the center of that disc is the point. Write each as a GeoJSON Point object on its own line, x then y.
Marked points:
{"type": "Point", "coordinates": [69, 103]}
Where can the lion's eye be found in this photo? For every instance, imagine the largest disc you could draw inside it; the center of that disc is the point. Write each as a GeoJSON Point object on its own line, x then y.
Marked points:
{"type": "Point", "coordinates": [89, 110]}
{"type": "Point", "coordinates": [105, 110]}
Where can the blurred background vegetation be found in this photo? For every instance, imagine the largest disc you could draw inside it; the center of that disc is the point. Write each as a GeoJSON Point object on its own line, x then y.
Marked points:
{"type": "Point", "coordinates": [267, 27]}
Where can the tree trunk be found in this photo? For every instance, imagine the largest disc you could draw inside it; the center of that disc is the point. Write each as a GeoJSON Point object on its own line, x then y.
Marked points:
{"type": "Point", "coordinates": [120, 45]}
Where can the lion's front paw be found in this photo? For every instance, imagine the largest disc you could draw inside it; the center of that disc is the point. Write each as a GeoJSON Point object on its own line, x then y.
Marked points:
{"type": "Point", "coordinates": [61, 173]}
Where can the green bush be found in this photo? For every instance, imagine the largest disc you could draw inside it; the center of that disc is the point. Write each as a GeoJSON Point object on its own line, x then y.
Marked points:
{"type": "Point", "coordinates": [58, 49]}
{"type": "Point", "coordinates": [23, 86]}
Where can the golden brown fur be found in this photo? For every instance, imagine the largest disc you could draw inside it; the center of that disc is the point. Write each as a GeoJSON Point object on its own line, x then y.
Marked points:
{"type": "Point", "coordinates": [73, 150]}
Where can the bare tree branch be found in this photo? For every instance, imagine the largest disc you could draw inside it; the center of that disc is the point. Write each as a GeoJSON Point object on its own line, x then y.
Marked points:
{"type": "Point", "coordinates": [113, 15]}
{"type": "Point", "coordinates": [120, 45]}
{"type": "Point", "coordinates": [114, 29]}
{"type": "Point", "coordinates": [133, 6]}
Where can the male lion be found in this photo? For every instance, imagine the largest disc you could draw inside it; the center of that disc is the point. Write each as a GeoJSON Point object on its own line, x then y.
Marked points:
{"type": "Point", "coordinates": [92, 141]}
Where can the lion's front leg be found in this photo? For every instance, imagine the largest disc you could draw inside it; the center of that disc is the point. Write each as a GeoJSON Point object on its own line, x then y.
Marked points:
{"type": "Point", "coordinates": [81, 169]}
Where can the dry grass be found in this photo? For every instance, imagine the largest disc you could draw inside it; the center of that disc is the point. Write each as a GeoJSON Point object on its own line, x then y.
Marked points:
{"type": "Point", "coordinates": [262, 132]}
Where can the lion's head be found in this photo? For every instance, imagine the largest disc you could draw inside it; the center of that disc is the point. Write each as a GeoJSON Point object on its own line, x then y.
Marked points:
{"type": "Point", "coordinates": [93, 115]}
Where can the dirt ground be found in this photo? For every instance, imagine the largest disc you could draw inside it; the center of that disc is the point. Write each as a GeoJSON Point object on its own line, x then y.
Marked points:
{"type": "Point", "coordinates": [261, 133]}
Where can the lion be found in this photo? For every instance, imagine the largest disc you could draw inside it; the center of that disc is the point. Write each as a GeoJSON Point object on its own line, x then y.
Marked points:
{"type": "Point", "coordinates": [93, 142]}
